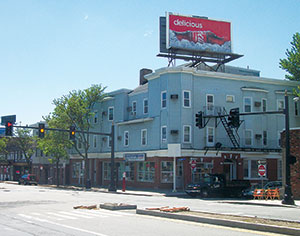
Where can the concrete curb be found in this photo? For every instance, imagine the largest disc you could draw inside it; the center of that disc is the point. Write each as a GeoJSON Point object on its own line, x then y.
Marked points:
{"type": "Point", "coordinates": [223, 222]}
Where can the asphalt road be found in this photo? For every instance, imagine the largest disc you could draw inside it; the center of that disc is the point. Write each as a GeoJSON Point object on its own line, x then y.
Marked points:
{"type": "Point", "coordinates": [36, 210]}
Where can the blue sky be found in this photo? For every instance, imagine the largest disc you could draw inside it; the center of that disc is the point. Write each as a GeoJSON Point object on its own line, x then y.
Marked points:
{"type": "Point", "coordinates": [50, 47]}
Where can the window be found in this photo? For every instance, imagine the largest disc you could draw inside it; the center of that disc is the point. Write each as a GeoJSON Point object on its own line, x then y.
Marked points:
{"type": "Point", "coordinates": [186, 133]}
{"type": "Point", "coordinates": [279, 138]}
{"type": "Point", "coordinates": [251, 169]}
{"type": "Point", "coordinates": [210, 139]}
{"type": "Point", "coordinates": [230, 98]}
{"type": "Point", "coordinates": [110, 113]}
{"type": "Point", "coordinates": [96, 118]}
{"type": "Point", "coordinates": [128, 168]}
{"type": "Point", "coordinates": [247, 104]}
{"type": "Point", "coordinates": [279, 165]}
{"type": "Point", "coordinates": [126, 138]}
{"type": "Point", "coordinates": [186, 99]}
{"type": "Point", "coordinates": [76, 169]}
{"type": "Point", "coordinates": [296, 109]}
{"type": "Point", "coordinates": [146, 171]}
{"type": "Point", "coordinates": [145, 106]}
{"type": "Point", "coordinates": [144, 137]}
{"type": "Point", "coordinates": [209, 102]}
{"type": "Point", "coordinates": [134, 107]}
{"type": "Point", "coordinates": [166, 172]}
{"type": "Point", "coordinates": [280, 105]}
{"type": "Point", "coordinates": [164, 133]}
{"type": "Point", "coordinates": [248, 137]}
{"type": "Point", "coordinates": [163, 99]}
{"type": "Point", "coordinates": [264, 104]}
{"type": "Point", "coordinates": [106, 171]}
{"type": "Point", "coordinates": [265, 138]}
{"type": "Point", "coordinates": [95, 141]}
{"type": "Point", "coordinates": [109, 142]}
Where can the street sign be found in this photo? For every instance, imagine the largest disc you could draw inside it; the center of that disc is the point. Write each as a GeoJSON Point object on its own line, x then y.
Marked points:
{"type": "Point", "coordinates": [262, 170]}
{"type": "Point", "coordinates": [193, 164]}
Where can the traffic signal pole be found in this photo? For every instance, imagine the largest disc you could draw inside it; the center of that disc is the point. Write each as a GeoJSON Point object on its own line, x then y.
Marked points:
{"type": "Point", "coordinates": [288, 196]}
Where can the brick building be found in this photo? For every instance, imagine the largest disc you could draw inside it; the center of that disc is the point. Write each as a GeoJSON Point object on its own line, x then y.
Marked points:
{"type": "Point", "coordinates": [295, 168]}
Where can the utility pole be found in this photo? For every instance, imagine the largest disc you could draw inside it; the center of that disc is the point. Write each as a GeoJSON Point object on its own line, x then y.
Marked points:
{"type": "Point", "coordinates": [112, 186]}
{"type": "Point", "coordinates": [288, 196]}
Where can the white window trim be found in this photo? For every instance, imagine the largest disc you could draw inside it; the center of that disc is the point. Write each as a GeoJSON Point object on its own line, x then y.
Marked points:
{"type": "Point", "coordinates": [134, 108]}
{"type": "Point", "coordinates": [251, 136]}
{"type": "Point", "coordinates": [190, 134]}
{"type": "Point", "coordinates": [113, 111]}
{"type": "Point", "coordinates": [233, 98]}
{"type": "Point", "coordinates": [146, 138]}
{"type": "Point", "coordinates": [262, 140]}
{"type": "Point", "coordinates": [251, 105]}
{"type": "Point", "coordinates": [145, 99]}
{"type": "Point", "coordinates": [278, 101]}
{"type": "Point", "coordinates": [210, 144]}
{"type": "Point", "coordinates": [183, 99]}
{"type": "Point", "coordinates": [126, 132]}
{"type": "Point", "coordinates": [262, 103]}
{"type": "Point", "coordinates": [161, 99]}
{"type": "Point", "coordinates": [161, 136]}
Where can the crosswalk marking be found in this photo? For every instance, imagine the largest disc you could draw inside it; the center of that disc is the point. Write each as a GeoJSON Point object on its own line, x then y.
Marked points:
{"type": "Point", "coordinates": [60, 215]}
{"type": "Point", "coordinates": [76, 215]}
{"type": "Point", "coordinates": [71, 215]}
{"type": "Point", "coordinates": [89, 214]}
{"type": "Point", "coordinates": [50, 217]}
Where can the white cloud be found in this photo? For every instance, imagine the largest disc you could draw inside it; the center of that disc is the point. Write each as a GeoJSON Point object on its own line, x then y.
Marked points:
{"type": "Point", "coordinates": [86, 17]}
{"type": "Point", "coordinates": [148, 33]}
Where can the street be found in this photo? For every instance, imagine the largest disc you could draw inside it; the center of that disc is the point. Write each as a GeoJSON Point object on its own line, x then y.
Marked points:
{"type": "Point", "coordinates": [38, 210]}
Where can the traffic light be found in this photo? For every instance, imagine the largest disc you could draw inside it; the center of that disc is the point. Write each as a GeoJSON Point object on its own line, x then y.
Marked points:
{"type": "Point", "coordinates": [8, 128]}
{"type": "Point", "coordinates": [199, 120]}
{"type": "Point", "coordinates": [41, 130]}
{"type": "Point", "coordinates": [234, 118]}
{"type": "Point", "coordinates": [72, 133]}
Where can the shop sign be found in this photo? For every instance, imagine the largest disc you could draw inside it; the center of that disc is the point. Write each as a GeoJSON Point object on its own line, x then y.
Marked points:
{"type": "Point", "coordinates": [134, 156]}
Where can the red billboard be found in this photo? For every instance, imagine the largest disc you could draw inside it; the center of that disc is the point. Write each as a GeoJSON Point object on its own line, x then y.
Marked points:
{"type": "Point", "coordinates": [198, 34]}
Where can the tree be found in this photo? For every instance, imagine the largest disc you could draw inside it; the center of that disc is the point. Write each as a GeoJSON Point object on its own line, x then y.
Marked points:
{"type": "Point", "coordinates": [76, 109]}
{"type": "Point", "coordinates": [3, 150]}
{"type": "Point", "coordinates": [27, 144]}
{"type": "Point", "coordinates": [55, 144]}
{"type": "Point", "coordinates": [292, 63]}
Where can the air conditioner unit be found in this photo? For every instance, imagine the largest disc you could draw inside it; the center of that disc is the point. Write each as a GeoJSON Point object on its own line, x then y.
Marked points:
{"type": "Point", "coordinates": [257, 104]}
{"type": "Point", "coordinates": [174, 131]}
{"type": "Point", "coordinates": [174, 96]}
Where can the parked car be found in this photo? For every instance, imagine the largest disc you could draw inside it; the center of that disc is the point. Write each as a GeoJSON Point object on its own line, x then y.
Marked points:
{"type": "Point", "coordinates": [248, 193]}
{"type": "Point", "coordinates": [28, 179]}
{"type": "Point", "coordinates": [216, 185]}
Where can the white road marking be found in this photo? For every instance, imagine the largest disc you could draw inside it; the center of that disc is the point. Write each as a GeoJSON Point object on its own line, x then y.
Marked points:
{"type": "Point", "coordinates": [50, 217]}
{"type": "Point", "coordinates": [89, 214]}
{"type": "Point", "coordinates": [63, 216]}
{"type": "Point", "coordinates": [62, 225]}
{"type": "Point", "coordinates": [76, 215]}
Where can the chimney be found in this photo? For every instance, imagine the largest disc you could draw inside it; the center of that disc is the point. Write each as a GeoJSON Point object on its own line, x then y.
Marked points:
{"type": "Point", "coordinates": [144, 72]}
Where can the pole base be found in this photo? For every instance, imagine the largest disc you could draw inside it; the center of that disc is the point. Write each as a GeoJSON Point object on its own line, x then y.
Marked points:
{"type": "Point", "coordinates": [288, 201]}
{"type": "Point", "coordinates": [112, 189]}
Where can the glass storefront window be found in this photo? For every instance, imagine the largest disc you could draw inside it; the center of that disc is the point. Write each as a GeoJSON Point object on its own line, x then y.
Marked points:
{"type": "Point", "coordinates": [167, 172]}
{"type": "Point", "coordinates": [146, 171]}
{"type": "Point", "coordinates": [127, 167]}
{"type": "Point", "coordinates": [76, 169]}
{"type": "Point", "coordinates": [106, 171]}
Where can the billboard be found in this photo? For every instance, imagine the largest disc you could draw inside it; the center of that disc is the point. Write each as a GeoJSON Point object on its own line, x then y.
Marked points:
{"type": "Point", "coordinates": [197, 34]}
